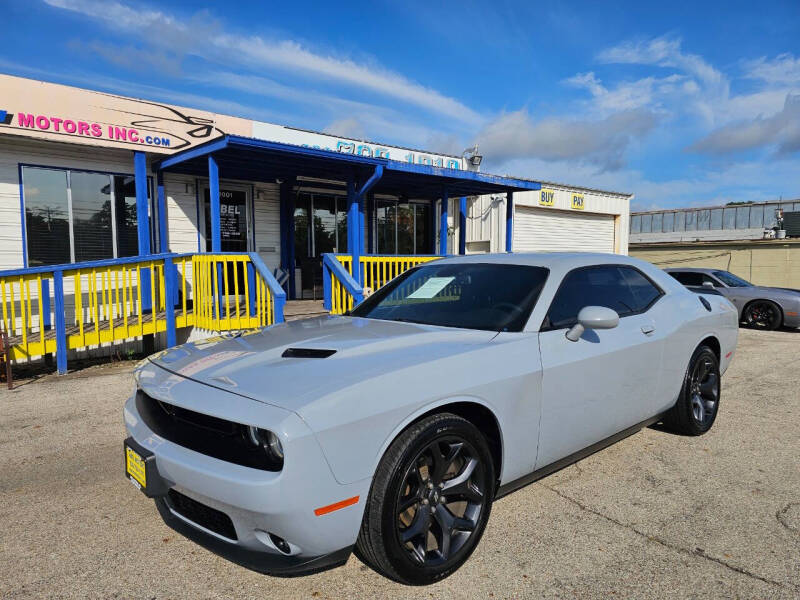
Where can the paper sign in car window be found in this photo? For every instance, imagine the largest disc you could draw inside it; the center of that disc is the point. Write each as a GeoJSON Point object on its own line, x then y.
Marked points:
{"type": "Point", "coordinates": [430, 288]}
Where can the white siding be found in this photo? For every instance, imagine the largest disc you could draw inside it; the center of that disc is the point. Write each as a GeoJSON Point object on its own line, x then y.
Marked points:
{"type": "Point", "coordinates": [267, 225]}
{"type": "Point", "coordinates": [181, 200]}
{"type": "Point", "coordinates": [540, 229]}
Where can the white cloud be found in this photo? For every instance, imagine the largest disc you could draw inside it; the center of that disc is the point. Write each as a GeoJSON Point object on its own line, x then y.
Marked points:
{"type": "Point", "coordinates": [601, 142]}
{"type": "Point", "coordinates": [783, 69]}
{"type": "Point", "coordinates": [664, 52]}
{"type": "Point", "coordinates": [781, 130]}
{"type": "Point", "coordinates": [204, 37]}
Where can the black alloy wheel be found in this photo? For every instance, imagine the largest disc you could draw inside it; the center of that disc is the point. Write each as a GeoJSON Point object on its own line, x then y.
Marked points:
{"type": "Point", "coordinates": [430, 501]}
{"type": "Point", "coordinates": [440, 501]}
{"type": "Point", "coordinates": [698, 404]}
{"type": "Point", "coordinates": [763, 314]}
{"type": "Point", "coordinates": [704, 391]}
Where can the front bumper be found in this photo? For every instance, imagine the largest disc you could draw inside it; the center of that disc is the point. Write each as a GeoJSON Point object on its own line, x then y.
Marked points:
{"type": "Point", "coordinates": [258, 503]}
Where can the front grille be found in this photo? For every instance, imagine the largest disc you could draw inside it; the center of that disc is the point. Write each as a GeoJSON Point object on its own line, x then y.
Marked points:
{"type": "Point", "coordinates": [205, 516]}
{"type": "Point", "coordinates": [208, 435]}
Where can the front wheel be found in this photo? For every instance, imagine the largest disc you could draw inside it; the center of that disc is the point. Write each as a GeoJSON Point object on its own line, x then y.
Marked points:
{"type": "Point", "coordinates": [696, 409]}
{"type": "Point", "coordinates": [430, 501]}
{"type": "Point", "coordinates": [763, 314]}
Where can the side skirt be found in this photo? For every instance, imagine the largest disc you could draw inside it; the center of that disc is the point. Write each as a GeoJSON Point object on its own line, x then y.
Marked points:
{"type": "Point", "coordinates": [513, 486]}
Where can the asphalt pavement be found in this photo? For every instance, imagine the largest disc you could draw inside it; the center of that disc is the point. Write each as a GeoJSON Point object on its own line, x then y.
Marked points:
{"type": "Point", "coordinates": [657, 515]}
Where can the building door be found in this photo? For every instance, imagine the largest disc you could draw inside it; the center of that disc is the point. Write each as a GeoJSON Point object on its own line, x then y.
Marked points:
{"type": "Point", "coordinates": [320, 227]}
{"type": "Point", "coordinates": [549, 230]}
{"type": "Point", "coordinates": [234, 219]}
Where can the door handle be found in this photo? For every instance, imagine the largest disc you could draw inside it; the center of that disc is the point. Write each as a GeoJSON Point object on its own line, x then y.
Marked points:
{"type": "Point", "coordinates": [648, 329]}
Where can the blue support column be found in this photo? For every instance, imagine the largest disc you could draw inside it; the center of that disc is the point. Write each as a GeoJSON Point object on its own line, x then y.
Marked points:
{"type": "Point", "coordinates": [61, 327]}
{"type": "Point", "coordinates": [443, 223]}
{"type": "Point", "coordinates": [170, 286]}
{"type": "Point", "coordinates": [462, 225]}
{"type": "Point", "coordinates": [213, 192]}
{"type": "Point", "coordinates": [326, 286]}
{"type": "Point", "coordinates": [432, 225]}
{"type": "Point", "coordinates": [509, 220]}
{"type": "Point", "coordinates": [142, 223]}
{"type": "Point", "coordinates": [47, 322]}
{"type": "Point", "coordinates": [162, 214]}
{"type": "Point", "coordinates": [142, 219]}
{"type": "Point", "coordinates": [252, 297]}
{"type": "Point", "coordinates": [354, 228]}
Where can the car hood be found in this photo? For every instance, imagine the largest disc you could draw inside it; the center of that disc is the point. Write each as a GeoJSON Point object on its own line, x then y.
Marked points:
{"type": "Point", "coordinates": [253, 364]}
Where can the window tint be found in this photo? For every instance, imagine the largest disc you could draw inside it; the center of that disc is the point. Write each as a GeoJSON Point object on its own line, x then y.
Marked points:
{"type": "Point", "coordinates": [621, 288]}
{"type": "Point", "coordinates": [493, 297]}
{"type": "Point", "coordinates": [688, 278]}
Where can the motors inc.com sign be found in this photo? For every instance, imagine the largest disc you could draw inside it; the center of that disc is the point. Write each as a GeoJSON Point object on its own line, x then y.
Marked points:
{"type": "Point", "coordinates": [62, 113]}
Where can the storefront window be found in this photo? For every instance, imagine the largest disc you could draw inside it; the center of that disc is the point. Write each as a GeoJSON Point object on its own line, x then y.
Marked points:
{"type": "Point", "coordinates": [46, 217]}
{"type": "Point", "coordinates": [76, 216]}
{"type": "Point", "coordinates": [324, 224]}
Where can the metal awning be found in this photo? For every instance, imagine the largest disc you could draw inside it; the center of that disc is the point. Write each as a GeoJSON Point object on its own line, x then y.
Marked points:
{"type": "Point", "coordinates": [251, 159]}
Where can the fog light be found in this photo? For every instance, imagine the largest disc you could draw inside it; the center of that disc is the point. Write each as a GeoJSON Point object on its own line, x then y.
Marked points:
{"type": "Point", "coordinates": [280, 543]}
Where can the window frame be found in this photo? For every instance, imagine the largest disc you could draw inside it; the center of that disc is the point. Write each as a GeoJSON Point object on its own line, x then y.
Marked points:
{"type": "Point", "coordinates": [151, 206]}
{"type": "Point", "coordinates": [545, 325]}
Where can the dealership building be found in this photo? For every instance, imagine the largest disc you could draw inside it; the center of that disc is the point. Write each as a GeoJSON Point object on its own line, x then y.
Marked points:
{"type": "Point", "coordinates": [68, 166]}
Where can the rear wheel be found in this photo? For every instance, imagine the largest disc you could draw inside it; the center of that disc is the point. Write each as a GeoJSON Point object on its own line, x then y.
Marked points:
{"type": "Point", "coordinates": [763, 314]}
{"type": "Point", "coordinates": [430, 501]}
{"type": "Point", "coordinates": [696, 409]}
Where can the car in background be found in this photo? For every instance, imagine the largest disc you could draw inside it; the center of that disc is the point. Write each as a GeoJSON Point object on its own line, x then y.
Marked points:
{"type": "Point", "coordinates": [759, 306]}
{"type": "Point", "coordinates": [391, 430]}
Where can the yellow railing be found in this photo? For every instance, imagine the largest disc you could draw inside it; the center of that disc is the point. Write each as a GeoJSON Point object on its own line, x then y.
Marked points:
{"type": "Point", "coordinates": [227, 294]}
{"type": "Point", "coordinates": [26, 314]}
{"type": "Point", "coordinates": [90, 304]}
{"type": "Point", "coordinates": [110, 303]}
{"type": "Point", "coordinates": [341, 299]}
{"type": "Point", "coordinates": [377, 271]}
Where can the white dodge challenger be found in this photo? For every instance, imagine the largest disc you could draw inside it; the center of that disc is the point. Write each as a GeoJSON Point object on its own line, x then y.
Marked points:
{"type": "Point", "coordinates": [390, 431]}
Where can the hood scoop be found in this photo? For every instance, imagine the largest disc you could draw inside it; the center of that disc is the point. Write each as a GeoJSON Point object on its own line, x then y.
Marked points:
{"type": "Point", "coordinates": [307, 353]}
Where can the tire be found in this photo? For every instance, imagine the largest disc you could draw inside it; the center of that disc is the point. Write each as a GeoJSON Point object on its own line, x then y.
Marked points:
{"type": "Point", "coordinates": [763, 314]}
{"type": "Point", "coordinates": [440, 532]}
{"type": "Point", "coordinates": [698, 404]}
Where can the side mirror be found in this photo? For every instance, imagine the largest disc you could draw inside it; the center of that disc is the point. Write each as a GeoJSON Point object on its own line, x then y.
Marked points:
{"type": "Point", "coordinates": [708, 284]}
{"type": "Point", "coordinates": [593, 317]}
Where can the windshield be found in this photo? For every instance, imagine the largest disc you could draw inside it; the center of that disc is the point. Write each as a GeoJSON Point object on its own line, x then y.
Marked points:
{"type": "Point", "coordinates": [484, 296]}
{"type": "Point", "coordinates": [731, 280]}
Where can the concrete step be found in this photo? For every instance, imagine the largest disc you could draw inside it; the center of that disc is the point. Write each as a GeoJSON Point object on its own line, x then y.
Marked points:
{"type": "Point", "coordinates": [303, 309]}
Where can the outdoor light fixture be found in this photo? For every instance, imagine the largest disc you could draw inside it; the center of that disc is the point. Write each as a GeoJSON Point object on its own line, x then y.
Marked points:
{"type": "Point", "coordinates": [474, 158]}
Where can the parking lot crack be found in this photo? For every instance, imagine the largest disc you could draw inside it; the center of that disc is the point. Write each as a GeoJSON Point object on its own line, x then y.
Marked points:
{"type": "Point", "coordinates": [697, 552]}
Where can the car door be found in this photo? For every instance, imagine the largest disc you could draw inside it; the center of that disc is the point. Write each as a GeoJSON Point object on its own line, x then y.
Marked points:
{"type": "Point", "coordinates": [604, 382]}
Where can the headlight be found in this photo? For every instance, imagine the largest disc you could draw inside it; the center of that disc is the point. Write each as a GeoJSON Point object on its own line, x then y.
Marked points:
{"type": "Point", "coordinates": [266, 440]}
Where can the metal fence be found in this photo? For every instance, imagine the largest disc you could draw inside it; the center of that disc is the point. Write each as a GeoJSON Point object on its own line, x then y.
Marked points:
{"type": "Point", "coordinates": [748, 216]}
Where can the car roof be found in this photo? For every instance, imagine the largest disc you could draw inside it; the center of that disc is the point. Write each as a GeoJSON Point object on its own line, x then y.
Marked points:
{"type": "Point", "coordinates": [692, 270]}
{"type": "Point", "coordinates": [563, 260]}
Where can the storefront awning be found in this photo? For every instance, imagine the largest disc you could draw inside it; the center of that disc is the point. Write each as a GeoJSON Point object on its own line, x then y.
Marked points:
{"type": "Point", "coordinates": [250, 159]}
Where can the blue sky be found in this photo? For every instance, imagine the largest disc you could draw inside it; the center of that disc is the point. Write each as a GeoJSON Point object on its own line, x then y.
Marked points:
{"type": "Point", "coordinates": [682, 104]}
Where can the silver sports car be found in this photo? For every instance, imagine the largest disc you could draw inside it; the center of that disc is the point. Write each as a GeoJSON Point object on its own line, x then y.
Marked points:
{"type": "Point", "coordinates": [759, 306]}
{"type": "Point", "coordinates": [390, 431]}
